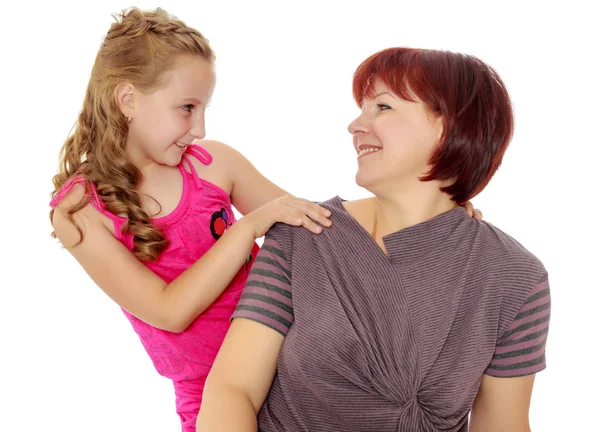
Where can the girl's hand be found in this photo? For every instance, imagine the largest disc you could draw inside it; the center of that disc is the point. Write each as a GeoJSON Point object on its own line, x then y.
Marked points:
{"type": "Point", "coordinates": [473, 212]}
{"type": "Point", "coordinates": [289, 210]}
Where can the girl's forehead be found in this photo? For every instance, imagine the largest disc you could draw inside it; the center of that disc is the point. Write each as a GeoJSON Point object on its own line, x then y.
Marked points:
{"type": "Point", "coordinates": [195, 78]}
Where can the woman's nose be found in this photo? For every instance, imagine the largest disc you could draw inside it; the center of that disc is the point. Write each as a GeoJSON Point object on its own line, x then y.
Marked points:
{"type": "Point", "coordinates": [358, 125]}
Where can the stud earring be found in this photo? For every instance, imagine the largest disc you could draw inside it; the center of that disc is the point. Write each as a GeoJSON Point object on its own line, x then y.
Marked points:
{"type": "Point", "coordinates": [129, 118]}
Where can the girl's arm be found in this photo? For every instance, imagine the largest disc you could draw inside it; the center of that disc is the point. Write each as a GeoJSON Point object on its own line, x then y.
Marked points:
{"type": "Point", "coordinates": [145, 295]}
{"type": "Point", "coordinates": [250, 189]}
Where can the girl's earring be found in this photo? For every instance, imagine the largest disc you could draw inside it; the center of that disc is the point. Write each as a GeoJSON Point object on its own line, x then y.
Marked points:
{"type": "Point", "coordinates": [129, 118]}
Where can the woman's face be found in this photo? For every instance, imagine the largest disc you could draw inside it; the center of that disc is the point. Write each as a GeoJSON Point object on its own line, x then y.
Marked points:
{"type": "Point", "coordinates": [393, 138]}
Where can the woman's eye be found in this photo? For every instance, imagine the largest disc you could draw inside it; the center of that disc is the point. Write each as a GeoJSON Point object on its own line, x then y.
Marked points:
{"type": "Point", "coordinates": [383, 107]}
{"type": "Point", "coordinates": [187, 107]}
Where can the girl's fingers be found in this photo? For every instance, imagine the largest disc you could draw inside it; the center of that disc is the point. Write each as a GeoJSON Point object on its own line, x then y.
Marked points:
{"type": "Point", "coordinates": [310, 225]}
{"type": "Point", "coordinates": [469, 208]}
{"type": "Point", "coordinates": [314, 211]}
{"type": "Point", "coordinates": [290, 218]}
{"type": "Point", "coordinates": [303, 212]}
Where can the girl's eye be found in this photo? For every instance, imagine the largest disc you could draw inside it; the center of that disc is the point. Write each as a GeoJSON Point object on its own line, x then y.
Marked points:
{"type": "Point", "coordinates": [383, 107]}
{"type": "Point", "coordinates": [187, 107]}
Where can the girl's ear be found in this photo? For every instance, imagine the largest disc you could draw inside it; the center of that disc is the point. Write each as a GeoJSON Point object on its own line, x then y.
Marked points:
{"type": "Point", "coordinates": [125, 96]}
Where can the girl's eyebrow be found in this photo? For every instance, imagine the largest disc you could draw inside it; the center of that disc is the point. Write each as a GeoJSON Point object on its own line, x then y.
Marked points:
{"type": "Point", "coordinates": [193, 99]}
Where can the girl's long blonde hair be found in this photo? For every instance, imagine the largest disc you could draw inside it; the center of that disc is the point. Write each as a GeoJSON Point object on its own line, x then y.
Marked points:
{"type": "Point", "coordinates": [139, 48]}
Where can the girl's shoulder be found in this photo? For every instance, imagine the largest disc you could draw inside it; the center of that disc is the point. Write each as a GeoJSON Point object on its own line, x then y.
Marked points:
{"type": "Point", "coordinates": [73, 191]}
{"type": "Point", "coordinates": [212, 162]}
{"type": "Point", "coordinates": [78, 192]}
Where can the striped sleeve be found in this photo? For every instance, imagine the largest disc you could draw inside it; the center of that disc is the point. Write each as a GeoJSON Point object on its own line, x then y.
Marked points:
{"type": "Point", "coordinates": [267, 296]}
{"type": "Point", "coordinates": [522, 349]}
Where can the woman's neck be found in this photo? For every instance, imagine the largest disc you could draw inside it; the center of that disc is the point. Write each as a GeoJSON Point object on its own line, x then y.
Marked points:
{"type": "Point", "coordinates": [396, 212]}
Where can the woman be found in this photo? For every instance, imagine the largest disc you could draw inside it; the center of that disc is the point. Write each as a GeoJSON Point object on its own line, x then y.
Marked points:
{"type": "Point", "coordinates": [407, 314]}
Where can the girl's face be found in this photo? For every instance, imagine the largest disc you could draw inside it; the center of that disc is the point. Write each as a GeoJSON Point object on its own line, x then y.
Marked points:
{"type": "Point", "coordinates": [165, 121]}
{"type": "Point", "coordinates": [394, 139]}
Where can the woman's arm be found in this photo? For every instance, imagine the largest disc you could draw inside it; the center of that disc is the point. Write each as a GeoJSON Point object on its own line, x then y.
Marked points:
{"type": "Point", "coordinates": [502, 404]}
{"type": "Point", "coordinates": [244, 369]}
{"type": "Point", "coordinates": [240, 378]}
{"type": "Point", "coordinates": [145, 295]}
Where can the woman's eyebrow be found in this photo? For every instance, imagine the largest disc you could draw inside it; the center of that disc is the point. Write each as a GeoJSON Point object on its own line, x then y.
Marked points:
{"type": "Point", "coordinates": [382, 93]}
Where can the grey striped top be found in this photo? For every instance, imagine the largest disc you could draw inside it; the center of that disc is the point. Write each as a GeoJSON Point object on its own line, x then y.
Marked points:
{"type": "Point", "coordinates": [397, 342]}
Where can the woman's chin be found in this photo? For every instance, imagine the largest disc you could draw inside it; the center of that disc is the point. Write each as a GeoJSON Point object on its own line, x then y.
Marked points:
{"type": "Point", "coordinates": [365, 179]}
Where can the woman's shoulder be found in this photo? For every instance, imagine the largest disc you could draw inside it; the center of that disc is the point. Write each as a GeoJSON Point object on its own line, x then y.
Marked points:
{"type": "Point", "coordinates": [506, 249]}
{"type": "Point", "coordinates": [361, 209]}
{"type": "Point", "coordinates": [511, 269]}
{"type": "Point", "coordinates": [516, 279]}
{"type": "Point", "coordinates": [294, 239]}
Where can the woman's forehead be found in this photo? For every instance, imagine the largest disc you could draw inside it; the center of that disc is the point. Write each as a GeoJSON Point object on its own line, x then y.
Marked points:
{"type": "Point", "coordinates": [375, 87]}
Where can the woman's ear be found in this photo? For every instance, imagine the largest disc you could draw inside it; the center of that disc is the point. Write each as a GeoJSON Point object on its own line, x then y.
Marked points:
{"type": "Point", "coordinates": [125, 96]}
{"type": "Point", "coordinates": [438, 124]}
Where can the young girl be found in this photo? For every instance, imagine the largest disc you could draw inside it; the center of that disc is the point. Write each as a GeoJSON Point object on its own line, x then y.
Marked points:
{"type": "Point", "coordinates": [141, 208]}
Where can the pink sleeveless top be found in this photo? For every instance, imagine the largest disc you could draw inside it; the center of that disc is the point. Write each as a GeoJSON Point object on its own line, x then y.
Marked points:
{"type": "Point", "coordinates": [203, 214]}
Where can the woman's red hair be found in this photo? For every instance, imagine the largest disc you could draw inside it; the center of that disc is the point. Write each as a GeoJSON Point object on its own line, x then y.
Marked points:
{"type": "Point", "coordinates": [468, 94]}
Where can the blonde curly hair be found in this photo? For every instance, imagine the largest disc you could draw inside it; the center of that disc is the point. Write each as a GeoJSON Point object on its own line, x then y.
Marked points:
{"type": "Point", "coordinates": [138, 48]}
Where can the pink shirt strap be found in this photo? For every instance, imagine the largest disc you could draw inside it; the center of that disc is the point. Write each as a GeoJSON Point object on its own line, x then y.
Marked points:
{"type": "Point", "coordinates": [199, 153]}
{"type": "Point", "coordinates": [90, 190]}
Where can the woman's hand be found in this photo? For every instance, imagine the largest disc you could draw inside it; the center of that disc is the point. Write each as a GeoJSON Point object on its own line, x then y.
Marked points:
{"type": "Point", "coordinates": [289, 210]}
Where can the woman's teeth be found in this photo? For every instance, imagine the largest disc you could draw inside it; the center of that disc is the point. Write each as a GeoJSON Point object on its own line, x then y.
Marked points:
{"type": "Point", "coordinates": [368, 150]}
{"type": "Point", "coordinates": [181, 145]}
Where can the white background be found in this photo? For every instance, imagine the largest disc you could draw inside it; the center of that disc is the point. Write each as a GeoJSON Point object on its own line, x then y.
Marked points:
{"type": "Point", "coordinates": [69, 359]}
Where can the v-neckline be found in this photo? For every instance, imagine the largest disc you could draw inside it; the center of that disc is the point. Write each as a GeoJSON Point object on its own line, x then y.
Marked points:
{"type": "Point", "coordinates": [408, 244]}
{"type": "Point", "coordinates": [362, 232]}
